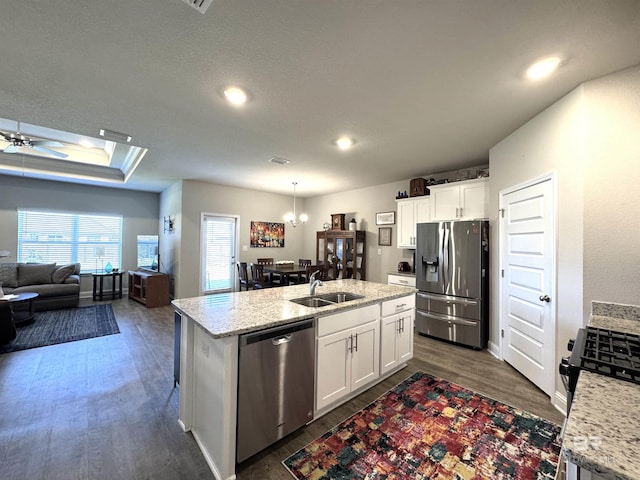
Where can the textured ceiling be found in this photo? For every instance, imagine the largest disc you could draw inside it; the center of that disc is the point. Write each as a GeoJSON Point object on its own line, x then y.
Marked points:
{"type": "Point", "coordinates": [424, 86]}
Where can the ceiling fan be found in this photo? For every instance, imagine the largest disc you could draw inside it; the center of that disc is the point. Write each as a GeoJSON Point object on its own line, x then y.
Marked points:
{"type": "Point", "coordinates": [18, 140]}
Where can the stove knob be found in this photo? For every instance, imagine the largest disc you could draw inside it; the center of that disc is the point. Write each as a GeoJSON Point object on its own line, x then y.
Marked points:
{"type": "Point", "coordinates": [572, 342]}
{"type": "Point", "coordinates": [563, 368]}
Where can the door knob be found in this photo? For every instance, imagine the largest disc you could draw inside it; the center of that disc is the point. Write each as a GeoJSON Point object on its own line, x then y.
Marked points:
{"type": "Point", "coordinates": [545, 298]}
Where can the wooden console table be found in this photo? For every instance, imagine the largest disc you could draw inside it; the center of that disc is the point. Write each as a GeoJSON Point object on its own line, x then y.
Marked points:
{"type": "Point", "coordinates": [149, 288]}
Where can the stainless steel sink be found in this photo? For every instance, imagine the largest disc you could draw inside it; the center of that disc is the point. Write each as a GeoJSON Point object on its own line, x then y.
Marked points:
{"type": "Point", "coordinates": [326, 299]}
{"type": "Point", "coordinates": [339, 297]}
{"type": "Point", "coordinates": [312, 302]}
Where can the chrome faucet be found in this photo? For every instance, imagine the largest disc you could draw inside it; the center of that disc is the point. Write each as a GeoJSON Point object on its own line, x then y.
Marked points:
{"type": "Point", "coordinates": [313, 283]}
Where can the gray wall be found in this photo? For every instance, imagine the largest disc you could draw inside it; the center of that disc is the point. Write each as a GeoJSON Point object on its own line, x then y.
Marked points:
{"type": "Point", "coordinates": [189, 199]}
{"type": "Point", "coordinates": [139, 210]}
{"type": "Point", "coordinates": [612, 189]}
{"type": "Point", "coordinates": [590, 140]}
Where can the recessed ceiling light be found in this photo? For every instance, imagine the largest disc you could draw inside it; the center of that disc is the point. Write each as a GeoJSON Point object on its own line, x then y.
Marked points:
{"type": "Point", "coordinates": [543, 68]}
{"type": "Point", "coordinates": [235, 95]}
{"type": "Point", "coordinates": [345, 143]}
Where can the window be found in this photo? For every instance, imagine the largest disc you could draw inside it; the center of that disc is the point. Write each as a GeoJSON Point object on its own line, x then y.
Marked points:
{"type": "Point", "coordinates": [92, 240]}
{"type": "Point", "coordinates": [218, 254]}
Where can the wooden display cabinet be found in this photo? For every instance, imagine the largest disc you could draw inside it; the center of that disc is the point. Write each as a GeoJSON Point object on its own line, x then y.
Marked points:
{"type": "Point", "coordinates": [149, 288]}
{"type": "Point", "coordinates": [343, 252]}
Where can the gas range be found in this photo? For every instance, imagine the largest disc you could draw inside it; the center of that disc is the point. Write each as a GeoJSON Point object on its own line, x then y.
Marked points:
{"type": "Point", "coordinates": [601, 351]}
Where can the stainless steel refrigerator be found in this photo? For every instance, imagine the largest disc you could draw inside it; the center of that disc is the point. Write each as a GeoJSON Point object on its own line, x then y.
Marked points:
{"type": "Point", "coordinates": [452, 276]}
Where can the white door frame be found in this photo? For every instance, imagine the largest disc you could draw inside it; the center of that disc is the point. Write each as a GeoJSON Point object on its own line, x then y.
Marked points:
{"type": "Point", "coordinates": [236, 242]}
{"type": "Point", "coordinates": [552, 176]}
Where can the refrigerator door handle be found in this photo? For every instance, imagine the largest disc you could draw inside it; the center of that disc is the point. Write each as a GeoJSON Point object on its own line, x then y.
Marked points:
{"type": "Point", "coordinates": [448, 299]}
{"type": "Point", "coordinates": [447, 318]}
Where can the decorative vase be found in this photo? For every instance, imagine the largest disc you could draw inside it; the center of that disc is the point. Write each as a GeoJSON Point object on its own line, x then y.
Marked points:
{"type": "Point", "coordinates": [353, 226]}
{"type": "Point", "coordinates": [108, 268]}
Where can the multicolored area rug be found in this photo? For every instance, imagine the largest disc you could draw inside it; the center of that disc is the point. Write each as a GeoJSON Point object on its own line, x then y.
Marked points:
{"type": "Point", "coordinates": [428, 428]}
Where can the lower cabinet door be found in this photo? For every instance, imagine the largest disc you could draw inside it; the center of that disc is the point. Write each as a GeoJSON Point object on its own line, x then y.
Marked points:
{"type": "Point", "coordinates": [365, 356]}
{"type": "Point", "coordinates": [389, 343]}
{"type": "Point", "coordinates": [405, 337]}
{"type": "Point", "coordinates": [333, 368]}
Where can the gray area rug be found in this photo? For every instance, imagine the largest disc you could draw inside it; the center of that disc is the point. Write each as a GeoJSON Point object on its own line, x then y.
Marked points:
{"type": "Point", "coordinates": [61, 326]}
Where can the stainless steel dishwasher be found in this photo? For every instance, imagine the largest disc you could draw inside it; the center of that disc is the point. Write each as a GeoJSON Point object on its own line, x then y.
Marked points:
{"type": "Point", "coordinates": [275, 385]}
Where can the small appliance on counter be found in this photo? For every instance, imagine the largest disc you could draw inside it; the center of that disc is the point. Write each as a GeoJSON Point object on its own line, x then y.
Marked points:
{"type": "Point", "coordinates": [404, 267]}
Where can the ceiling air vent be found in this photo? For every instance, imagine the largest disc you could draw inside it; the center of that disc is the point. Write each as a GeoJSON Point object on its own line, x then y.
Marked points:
{"type": "Point", "coordinates": [199, 5]}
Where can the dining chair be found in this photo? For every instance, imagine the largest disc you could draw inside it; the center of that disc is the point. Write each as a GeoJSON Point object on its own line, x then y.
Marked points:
{"type": "Point", "coordinates": [321, 275]}
{"type": "Point", "coordinates": [274, 280]}
{"type": "Point", "coordinates": [259, 279]}
{"type": "Point", "coordinates": [243, 276]}
{"type": "Point", "coordinates": [302, 277]}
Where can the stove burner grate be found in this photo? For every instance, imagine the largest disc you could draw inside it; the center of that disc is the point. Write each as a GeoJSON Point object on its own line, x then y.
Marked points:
{"type": "Point", "coordinates": [611, 353]}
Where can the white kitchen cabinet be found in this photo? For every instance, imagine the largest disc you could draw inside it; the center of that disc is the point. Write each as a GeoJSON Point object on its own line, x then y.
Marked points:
{"type": "Point", "coordinates": [396, 332]}
{"type": "Point", "coordinates": [347, 353]}
{"type": "Point", "coordinates": [402, 280]}
{"type": "Point", "coordinates": [466, 200]}
{"type": "Point", "coordinates": [410, 212]}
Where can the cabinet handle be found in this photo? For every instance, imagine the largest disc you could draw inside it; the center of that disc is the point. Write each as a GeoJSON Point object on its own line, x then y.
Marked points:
{"type": "Point", "coordinates": [457, 210]}
{"type": "Point", "coordinates": [461, 211]}
{"type": "Point", "coordinates": [356, 347]}
{"type": "Point", "coordinates": [400, 305]}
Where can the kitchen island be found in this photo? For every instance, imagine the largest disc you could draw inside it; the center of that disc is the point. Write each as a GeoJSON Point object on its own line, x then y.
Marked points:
{"type": "Point", "coordinates": [601, 438]}
{"type": "Point", "coordinates": [209, 346]}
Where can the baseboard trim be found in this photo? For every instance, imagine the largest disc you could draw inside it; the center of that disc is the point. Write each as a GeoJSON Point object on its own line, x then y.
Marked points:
{"type": "Point", "coordinates": [494, 349]}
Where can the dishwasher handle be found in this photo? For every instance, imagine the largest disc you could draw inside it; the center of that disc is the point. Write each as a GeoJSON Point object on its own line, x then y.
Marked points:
{"type": "Point", "coordinates": [284, 339]}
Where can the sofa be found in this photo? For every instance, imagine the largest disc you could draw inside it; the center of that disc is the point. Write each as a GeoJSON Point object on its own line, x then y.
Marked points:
{"type": "Point", "coordinates": [57, 286]}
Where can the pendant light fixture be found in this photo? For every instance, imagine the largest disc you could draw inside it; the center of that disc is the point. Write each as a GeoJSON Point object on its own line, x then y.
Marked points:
{"type": "Point", "coordinates": [291, 218]}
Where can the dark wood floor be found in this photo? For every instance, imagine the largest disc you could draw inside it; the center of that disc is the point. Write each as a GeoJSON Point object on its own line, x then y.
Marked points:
{"type": "Point", "coordinates": [105, 408]}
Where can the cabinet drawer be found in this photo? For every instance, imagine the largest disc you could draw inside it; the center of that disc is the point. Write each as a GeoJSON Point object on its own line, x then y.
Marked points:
{"type": "Point", "coordinates": [398, 305]}
{"type": "Point", "coordinates": [402, 280]}
{"type": "Point", "coordinates": [351, 318]}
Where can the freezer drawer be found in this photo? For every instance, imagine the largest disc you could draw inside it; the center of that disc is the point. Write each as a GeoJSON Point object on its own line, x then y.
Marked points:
{"type": "Point", "coordinates": [458, 330]}
{"type": "Point", "coordinates": [468, 308]}
{"type": "Point", "coordinates": [275, 385]}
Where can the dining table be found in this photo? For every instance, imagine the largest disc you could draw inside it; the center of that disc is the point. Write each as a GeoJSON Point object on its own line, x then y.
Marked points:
{"type": "Point", "coordinates": [285, 272]}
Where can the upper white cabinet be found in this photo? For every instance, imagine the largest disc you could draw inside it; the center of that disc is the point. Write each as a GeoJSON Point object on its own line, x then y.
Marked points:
{"type": "Point", "coordinates": [467, 200]}
{"type": "Point", "coordinates": [410, 212]}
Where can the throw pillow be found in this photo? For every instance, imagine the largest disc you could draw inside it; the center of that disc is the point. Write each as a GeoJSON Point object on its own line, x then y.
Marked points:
{"type": "Point", "coordinates": [9, 274]}
{"type": "Point", "coordinates": [61, 273]}
{"type": "Point", "coordinates": [35, 273]}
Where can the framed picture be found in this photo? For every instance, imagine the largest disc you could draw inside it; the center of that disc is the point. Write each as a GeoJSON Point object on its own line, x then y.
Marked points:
{"type": "Point", "coordinates": [385, 218]}
{"type": "Point", "coordinates": [384, 236]}
{"type": "Point", "coordinates": [267, 234]}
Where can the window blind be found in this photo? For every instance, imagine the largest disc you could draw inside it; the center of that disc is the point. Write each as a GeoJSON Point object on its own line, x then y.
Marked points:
{"type": "Point", "coordinates": [91, 240]}
{"type": "Point", "coordinates": [219, 252]}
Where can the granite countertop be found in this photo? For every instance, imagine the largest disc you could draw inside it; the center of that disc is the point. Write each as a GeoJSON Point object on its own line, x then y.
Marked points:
{"type": "Point", "coordinates": [602, 432]}
{"type": "Point", "coordinates": [229, 314]}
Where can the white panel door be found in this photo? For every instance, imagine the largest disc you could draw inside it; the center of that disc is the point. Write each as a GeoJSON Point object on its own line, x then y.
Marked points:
{"type": "Point", "coordinates": [528, 263]}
